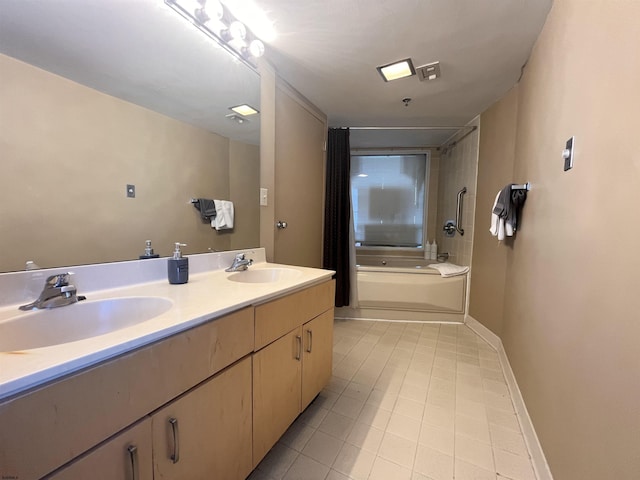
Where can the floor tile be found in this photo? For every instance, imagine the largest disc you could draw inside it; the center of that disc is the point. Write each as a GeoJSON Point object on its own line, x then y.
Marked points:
{"type": "Point", "coordinates": [474, 452]}
{"type": "Point", "coordinates": [297, 436]}
{"type": "Point", "coordinates": [398, 450]}
{"type": "Point", "coordinates": [322, 447]}
{"type": "Point", "coordinates": [305, 468]}
{"type": "Point", "coordinates": [513, 466]}
{"type": "Point", "coordinates": [406, 402]}
{"type": "Point", "coordinates": [354, 462]}
{"type": "Point", "coordinates": [405, 427]}
{"type": "Point", "coordinates": [434, 464]}
{"type": "Point", "coordinates": [468, 471]}
{"type": "Point", "coordinates": [336, 425]}
{"type": "Point", "coordinates": [386, 470]}
{"type": "Point", "coordinates": [365, 437]}
{"type": "Point", "coordinates": [278, 460]}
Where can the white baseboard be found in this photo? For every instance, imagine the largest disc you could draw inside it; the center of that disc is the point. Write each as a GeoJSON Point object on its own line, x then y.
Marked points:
{"type": "Point", "coordinates": [538, 459]}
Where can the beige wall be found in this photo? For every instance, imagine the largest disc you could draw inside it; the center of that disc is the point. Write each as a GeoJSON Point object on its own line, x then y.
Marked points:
{"type": "Point", "coordinates": [571, 308]}
{"type": "Point", "coordinates": [458, 169]}
{"type": "Point", "coordinates": [69, 151]}
{"type": "Point", "coordinates": [497, 150]}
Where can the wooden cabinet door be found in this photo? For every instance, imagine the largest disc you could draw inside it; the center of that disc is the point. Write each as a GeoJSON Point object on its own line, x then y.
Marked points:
{"type": "Point", "coordinates": [127, 456]}
{"type": "Point", "coordinates": [207, 432]}
{"type": "Point", "coordinates": [276, 390]}
{"type": "Point", "coordinates": [317, 356]}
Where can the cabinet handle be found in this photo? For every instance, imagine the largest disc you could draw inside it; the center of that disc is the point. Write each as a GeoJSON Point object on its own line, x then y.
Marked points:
{"type": "Point", "coordinates": [175, 457]}
{"type": "Point", "coordinates": [133, 457]}
{"type": "Point", "coordinates": [299, 353]}
{"type": "Point", "coordinates": [310, 333]}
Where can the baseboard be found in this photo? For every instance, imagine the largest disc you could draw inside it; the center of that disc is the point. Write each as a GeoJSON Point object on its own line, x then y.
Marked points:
{"type": "Point", "coordinates": [538, 459]}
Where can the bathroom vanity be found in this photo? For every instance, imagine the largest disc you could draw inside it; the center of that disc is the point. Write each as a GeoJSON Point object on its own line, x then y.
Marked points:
{"type": "Point", "coordinates": [207, 400]}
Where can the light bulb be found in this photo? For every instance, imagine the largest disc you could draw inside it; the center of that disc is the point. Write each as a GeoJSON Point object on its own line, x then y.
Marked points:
{"type": "Point", "coordinates": [237, 30]}
{"type": "Point", "coordinates": [256, 48]}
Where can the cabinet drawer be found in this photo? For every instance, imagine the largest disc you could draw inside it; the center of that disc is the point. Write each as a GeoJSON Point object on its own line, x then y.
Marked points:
{"type": "Point", "coordinates": [127, 456]}
{"type": "Point", "coordinates": [278, 317]}
{"type": "Point", "coordinates": [83, 409]}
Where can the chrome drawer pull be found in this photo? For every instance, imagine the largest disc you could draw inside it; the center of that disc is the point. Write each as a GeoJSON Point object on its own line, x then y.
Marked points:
{"type": "Point", "coordinates": [299, 352]}
{"type": "Point", "coordinates": [175, 457]}
{"type": "Point", "coordinates": [133, 457]}
{"type": "Point", "coordinates": [310, 333]}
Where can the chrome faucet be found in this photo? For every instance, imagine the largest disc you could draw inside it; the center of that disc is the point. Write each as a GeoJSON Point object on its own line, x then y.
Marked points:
{"type": "Point", "coordinates": [57, 292]}
{"type": "Point", "coordinates": [239, 263]}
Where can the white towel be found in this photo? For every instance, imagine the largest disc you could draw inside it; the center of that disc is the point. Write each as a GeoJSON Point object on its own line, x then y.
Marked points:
{"type": "Point", "coordinates": [224, 215]}
{"type": "Point", "coordinates": [447, 269]}
{"type": "Point", "coordinates": [499, 228]}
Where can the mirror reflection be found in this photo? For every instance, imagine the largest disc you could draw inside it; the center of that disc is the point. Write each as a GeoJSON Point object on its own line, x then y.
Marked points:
{"type": "Point", "coordinates": [96, 96]}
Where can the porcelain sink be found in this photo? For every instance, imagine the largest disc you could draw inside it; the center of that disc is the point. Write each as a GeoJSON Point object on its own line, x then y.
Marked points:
{"type": "Point", "coordinates": [78, 321]}
{"type": "Point", "coordinates": [264, 275]}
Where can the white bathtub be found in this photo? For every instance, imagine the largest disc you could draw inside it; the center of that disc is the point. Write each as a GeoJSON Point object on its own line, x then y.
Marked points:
{"type": "Point", "coordinates": [401, 288]}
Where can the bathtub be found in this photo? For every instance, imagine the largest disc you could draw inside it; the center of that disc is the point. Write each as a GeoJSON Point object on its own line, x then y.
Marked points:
{"type": "Point", "coordinates": [405, 288]}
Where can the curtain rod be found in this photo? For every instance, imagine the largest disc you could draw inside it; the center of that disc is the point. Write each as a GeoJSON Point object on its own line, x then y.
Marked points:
{"type": "Point", "coordinates": [473, 127]}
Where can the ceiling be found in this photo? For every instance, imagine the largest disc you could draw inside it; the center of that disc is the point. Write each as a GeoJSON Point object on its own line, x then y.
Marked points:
{"type": "Point", "coordinates": [327, 49]}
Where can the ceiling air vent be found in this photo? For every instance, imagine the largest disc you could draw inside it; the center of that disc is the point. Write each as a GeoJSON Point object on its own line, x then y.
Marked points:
{"type": "Point", "coordinates": [430, 71]}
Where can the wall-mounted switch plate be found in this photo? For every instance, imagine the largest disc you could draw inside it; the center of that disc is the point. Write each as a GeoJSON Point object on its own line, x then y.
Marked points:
{"type": "Point", "coordinates": [264, 197]}
{"type": "Point", "coordinates": [131, 191]}
{"type": "Point", "coordinates": [567, 154]}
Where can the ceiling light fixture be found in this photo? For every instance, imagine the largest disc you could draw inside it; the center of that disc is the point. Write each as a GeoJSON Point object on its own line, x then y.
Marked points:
{"type": "Point", "coordinates": [216, 21]}
{"type": "Point", "coordinates": [244, 110]}
{"type": "Point", "coordinates": [396, 70]}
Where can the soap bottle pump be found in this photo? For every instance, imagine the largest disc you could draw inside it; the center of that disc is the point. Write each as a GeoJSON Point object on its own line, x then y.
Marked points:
{"type": "Point", "coordinates": [178, 266]}
{"type": "Point", "coordinates": [148, 251]}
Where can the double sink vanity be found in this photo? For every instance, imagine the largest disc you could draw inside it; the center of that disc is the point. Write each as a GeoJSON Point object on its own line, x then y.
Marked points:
{"type": "Point", "coordinates": [146, 380]}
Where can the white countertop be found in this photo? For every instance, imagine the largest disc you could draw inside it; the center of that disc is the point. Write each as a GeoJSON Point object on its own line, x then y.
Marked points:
{"type": "Point", "coordinates": [207, 295]}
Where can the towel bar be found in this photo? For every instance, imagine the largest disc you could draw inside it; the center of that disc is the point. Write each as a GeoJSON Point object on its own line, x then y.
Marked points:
{"type": "Point", "coordinates": [526, 186]}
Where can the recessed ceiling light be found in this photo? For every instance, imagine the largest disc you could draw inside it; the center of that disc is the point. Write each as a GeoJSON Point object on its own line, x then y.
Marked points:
{"type": "Point", "coordinates": [244, 110]}
{"type": "Point", "coordinates": [396, 70]}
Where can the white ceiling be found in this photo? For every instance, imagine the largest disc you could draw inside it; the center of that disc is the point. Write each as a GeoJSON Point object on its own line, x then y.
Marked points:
{"type": "Point", "coordinates": [328, 50]}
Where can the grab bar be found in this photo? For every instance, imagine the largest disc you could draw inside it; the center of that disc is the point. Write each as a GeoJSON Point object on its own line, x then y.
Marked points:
{"type": "Point", "coordinates": [459, 210]}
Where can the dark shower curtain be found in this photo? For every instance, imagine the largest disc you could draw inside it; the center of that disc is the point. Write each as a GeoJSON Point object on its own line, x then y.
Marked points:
{"type": "Point", "coordinates": [337, 214]}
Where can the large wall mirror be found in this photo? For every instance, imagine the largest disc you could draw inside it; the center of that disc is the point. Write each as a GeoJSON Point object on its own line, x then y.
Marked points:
{"type": "Point", "coordinates": [96, 95]}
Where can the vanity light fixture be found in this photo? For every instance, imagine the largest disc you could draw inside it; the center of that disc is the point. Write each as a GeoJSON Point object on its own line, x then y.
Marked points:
{"type": "Point", "coordinates": [215, 20]}
{"type": "Point", "coordinates": [244, 110]}
{"type": "Point", "coordinates": [394, 71]}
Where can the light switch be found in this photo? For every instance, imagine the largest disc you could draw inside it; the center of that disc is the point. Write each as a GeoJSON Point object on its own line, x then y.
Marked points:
{"type": "Point", "coordinates": [131, 191]}
{"type": "Point", "coordinates": [264, 197]}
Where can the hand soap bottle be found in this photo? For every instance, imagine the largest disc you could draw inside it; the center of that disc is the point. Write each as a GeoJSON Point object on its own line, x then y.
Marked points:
{"type": "Point", "coordinates": [178, 266]}
{"type": "Point", "coordinates": [148, 251]}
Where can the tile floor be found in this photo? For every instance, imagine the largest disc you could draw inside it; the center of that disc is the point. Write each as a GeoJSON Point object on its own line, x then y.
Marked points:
{"type": "Point", "coordinates": [407, 401]}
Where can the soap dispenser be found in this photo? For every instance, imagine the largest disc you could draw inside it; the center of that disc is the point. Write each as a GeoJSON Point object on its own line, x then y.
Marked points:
{"type": "Point", "coordinates": [178, 266]}
{"type": "Point", "coordinates": [148, 251]}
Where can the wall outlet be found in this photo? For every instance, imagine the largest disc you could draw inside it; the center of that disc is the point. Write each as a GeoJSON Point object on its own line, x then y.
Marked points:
{"type": "Point", "coordinates": [264, 197]}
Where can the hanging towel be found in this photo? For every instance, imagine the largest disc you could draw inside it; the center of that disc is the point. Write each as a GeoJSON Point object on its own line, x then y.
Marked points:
{"type": "Point", "coordinates": [224, 215]}
{"type": "Point", "coordinates": [206, 207]}
{"type": "Point", "coordinates": [447, 269]}
{"type": "Point", "coordinates": [499, 227]}
{"type": "Point", "coordinates": [505, 211]}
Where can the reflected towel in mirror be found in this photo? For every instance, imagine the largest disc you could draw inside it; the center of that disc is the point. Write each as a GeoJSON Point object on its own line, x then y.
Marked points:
{"type": "Point", "coordinates": [224, 215]}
